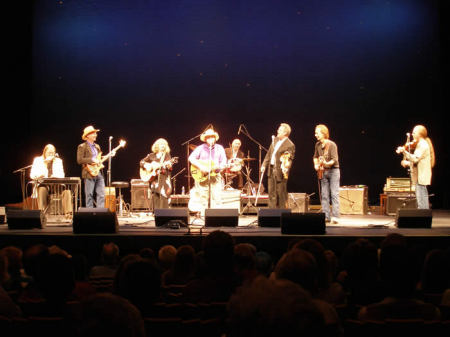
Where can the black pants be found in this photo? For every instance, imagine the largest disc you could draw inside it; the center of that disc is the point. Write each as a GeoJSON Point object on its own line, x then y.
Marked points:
{"type": "Point", "coordinates": [278, 196]}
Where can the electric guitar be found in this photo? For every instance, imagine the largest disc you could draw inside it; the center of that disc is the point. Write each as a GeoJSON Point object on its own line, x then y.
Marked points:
{"type": "Point", "coordinates": [95, 168]}
{"type": "Point", "coordinates": [154, 169]}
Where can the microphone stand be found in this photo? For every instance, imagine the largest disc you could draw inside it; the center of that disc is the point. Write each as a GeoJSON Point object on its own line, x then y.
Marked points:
{"type": "Point", "coordinates": [174, 178]}
{"type": "Point", "coordinates": [22, 182]}
{"type": "Point", "coordinates": [260, 148]}
{"type": "Point", "coordinates": [109, 163]}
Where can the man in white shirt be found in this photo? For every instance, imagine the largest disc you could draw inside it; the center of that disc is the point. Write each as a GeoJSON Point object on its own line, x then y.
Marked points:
{"type": "Point", "coordinates": [277, 163]}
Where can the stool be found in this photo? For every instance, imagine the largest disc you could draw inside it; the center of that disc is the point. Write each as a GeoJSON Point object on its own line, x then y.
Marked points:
{"type": "Point", "coordinates": [383, 197]}
{"type": "Point", "coordinates": [119, 185]}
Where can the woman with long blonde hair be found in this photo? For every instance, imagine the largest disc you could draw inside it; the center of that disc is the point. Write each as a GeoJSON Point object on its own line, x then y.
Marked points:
{"type": "Point", "coordinates": [421, 160]}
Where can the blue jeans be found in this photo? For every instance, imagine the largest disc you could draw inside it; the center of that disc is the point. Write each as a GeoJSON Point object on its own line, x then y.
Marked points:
{"type": "Point", "coordinates": [422, 197]}
{"type": "Point", "coordinates": [97, 185]}
{"type": "Point", "coordinates": [329, 185]}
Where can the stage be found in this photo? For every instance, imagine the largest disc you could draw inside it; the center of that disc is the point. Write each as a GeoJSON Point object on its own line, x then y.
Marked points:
{"type": "Point", "coordinates": [138, 230]}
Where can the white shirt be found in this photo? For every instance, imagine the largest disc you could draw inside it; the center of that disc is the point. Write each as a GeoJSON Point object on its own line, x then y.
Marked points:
{"type": "Point", "coordinates": [275, 149]}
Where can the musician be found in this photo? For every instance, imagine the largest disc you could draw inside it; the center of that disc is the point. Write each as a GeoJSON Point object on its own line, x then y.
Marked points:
{"type": "Point", "coordinates": [277, 163]}
{"type": "Point", "coordinates": [235, 161]}
{"type": "Point", "coordinates": [326, 160]}
{"type": "Point", "coordinates": [208, 161]}
{"type": "Point", "coordinates": [89, 153]}
{"type": "Point", "coordinates": [49, 165]}
{"type": "Point", "coordinates": [421, 161]}
{"type": "Point", "coordinates": [158, 165]}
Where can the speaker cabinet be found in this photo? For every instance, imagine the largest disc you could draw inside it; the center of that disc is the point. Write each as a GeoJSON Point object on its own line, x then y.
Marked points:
{"type": "Point", "coordinates": [413, 218]}
{"type": "Point", "coordinates": [24, 219]}
{"type": "Point", "coordinates": [303, 223]}
{"type": "Point", "coordinates": [298, 202]}
{"type": "Point", "coordinates": [140, 196]}
{"type": "Point", "coordinates": [221, 217]}
{"type": "Point", "coordinates": [95, 221]}
{"type": "Point", "coordinates": [353, 199]}
{"type": "Point", "coordinates": [271, 217]}
{"type": "Point", "coordinates": [171, 216]}
{"type": "Point", "coordinates": [396, 201]}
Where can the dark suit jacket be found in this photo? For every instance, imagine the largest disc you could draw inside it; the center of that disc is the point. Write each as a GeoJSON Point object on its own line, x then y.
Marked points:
{"type": "Point", "coordinates": [287, 146]}
{"type": "Point", "coordinates": [84, 156]}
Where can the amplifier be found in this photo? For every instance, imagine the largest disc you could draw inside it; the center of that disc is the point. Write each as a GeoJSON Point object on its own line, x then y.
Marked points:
{"type": "Point", "coordinates": [396, 201]}
{"type": "Point", "coordinates": [353, 199]}
{"type": "Point", "coordinates": [298, 202]}
{"type": "Point", "coordinates": [140, 195]}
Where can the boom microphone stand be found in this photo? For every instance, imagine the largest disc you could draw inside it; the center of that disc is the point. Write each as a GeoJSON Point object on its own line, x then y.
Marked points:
{"type": "Point", "coordinates": [22, 182]}
{"type": "Point", "coordinates": [244, 130]}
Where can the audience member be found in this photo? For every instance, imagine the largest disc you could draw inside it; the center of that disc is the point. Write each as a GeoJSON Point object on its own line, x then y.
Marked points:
{"type": "Point", "coordinates": [166, 257]}
{"type": "Point", "coordinates": [273, 308]}
{"type": "Point", "coordinates": [102, 275]}
{"type": "Point", "coordinates": [219, 281]}
{"type": "Point", "coordinates": [245, 262]}
{"type": "Point", "coordinates": [7, 306]}
{"type": "Point", "coordinates": [183, 268]}
{"type": "Point", "coordinates": [110, 315]}
{"type": "Point", "coordinates": [264, 263]}
{"type": "Point", "coordinates": [398, 269]}
{"type": "Point", "coordinates": [359, 274]}
{"type": "Point", "coordinates": [299, 266]}
{"type": "Point", "coordinates": [329, 291]}
{"type": "Point", "coordinates": [139, 281]}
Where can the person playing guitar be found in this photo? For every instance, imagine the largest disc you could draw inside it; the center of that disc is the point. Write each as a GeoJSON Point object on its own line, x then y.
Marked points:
{"type": "Point", "coordinates": [326, 163]}
{"type": "Point", "coordinates": [156, 168]}
{"type": "Point", "coordinates": [207, 161]}
{"type": "Point", "coordinates": [90, 159]}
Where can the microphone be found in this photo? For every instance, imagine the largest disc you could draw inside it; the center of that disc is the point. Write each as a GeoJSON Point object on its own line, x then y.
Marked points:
{"type": "Point", "coordinates": [110, 137]}
{"type": "Point", "coordinates": [273, 139]}
{"type": "Point", "coordinates": [239, 131]}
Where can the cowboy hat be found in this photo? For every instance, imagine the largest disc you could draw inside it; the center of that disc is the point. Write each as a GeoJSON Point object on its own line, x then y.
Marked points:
{"type": "Point", "coordinates": [88, 130]}
{"type": "Point", "coordinates": [209, 133]}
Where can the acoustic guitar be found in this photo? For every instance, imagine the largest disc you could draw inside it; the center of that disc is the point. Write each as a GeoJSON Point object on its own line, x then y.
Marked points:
{"type": "Point", "coordinates": [200, 176]}
{"type": "Point", "coordinates": [95, 168]}
{"type": "Point", "coordinates": [148, 175]}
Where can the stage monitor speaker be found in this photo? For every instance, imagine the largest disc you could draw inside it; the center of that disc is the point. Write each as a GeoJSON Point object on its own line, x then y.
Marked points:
{"type": "Point", "coordinates": [140, 195]}
{"type": "Point", "coordinates": [303, 223]}
{"type": "Point", "coordinates": [397, 201]}
{"type": "Point", "coordinates": [171, 217]}
{"type": "Point", "coordinates": [298, 202]}
{"type": "Point", "coordinates": [413, 218]}
{"type": "Point", "coordinates": [221, 217]}
{"type": "Point", "coordinates": [353, 199]}
{"type": "Point", "coordinates": [95, 221]}
{"type": "Point", "coordinates": [271, 217]}
{"type": "Point", "coordinates": [25, 219]}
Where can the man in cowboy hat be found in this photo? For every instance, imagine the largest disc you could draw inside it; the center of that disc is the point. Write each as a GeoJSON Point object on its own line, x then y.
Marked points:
{"type": "Point", "coordinates": [89, 157]}
{"type": "Point", "coordinates": [207, 160]}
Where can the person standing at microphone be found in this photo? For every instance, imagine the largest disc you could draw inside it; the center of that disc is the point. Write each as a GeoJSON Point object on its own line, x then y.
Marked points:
{"type": "Point", "coordinates": [278, 163]}
{"type": "Point", "coordinates": [421, 161]}
{"type": "Point", "coordinates": [48, 165]}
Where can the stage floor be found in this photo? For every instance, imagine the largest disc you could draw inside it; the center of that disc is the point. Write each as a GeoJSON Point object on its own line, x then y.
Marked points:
{"type": "Point", "coordinates": [142, 223]}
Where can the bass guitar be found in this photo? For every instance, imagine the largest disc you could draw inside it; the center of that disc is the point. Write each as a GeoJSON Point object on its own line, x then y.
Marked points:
{"type": "Point", "coordinates": [154, 168]}
{"type": "Point", "coordinates": [95, 168]}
